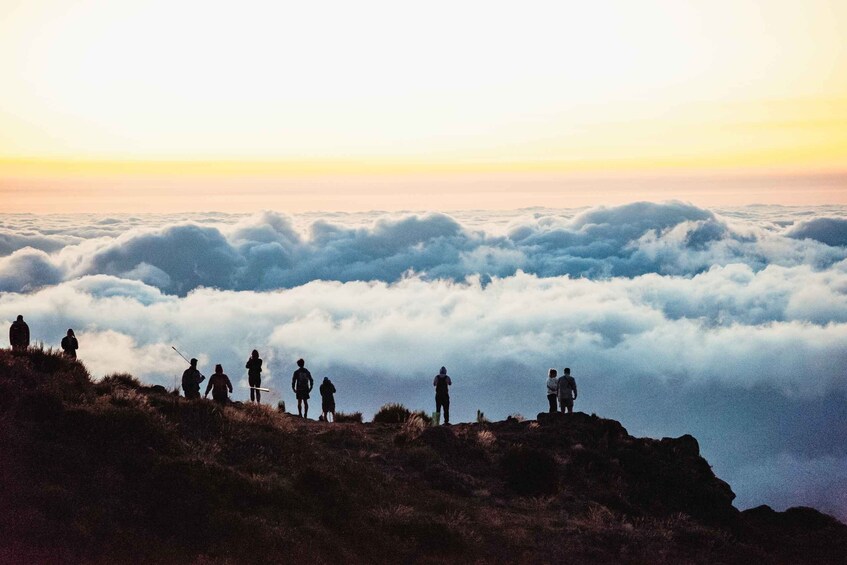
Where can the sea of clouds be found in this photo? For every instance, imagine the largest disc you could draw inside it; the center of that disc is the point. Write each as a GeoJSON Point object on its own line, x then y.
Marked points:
{"type": "Point", "coordinates": [729, 324]}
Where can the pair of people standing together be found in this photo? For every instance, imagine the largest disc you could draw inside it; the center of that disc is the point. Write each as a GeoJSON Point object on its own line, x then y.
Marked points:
{"type": "Point", "coordinates": [562, 389]}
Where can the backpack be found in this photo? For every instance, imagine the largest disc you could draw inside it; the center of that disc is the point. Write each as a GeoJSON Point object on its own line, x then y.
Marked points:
{"type": "Point", "coordinates": [303, 379]}
{"type": "Point", "coordinates": [441, 385]}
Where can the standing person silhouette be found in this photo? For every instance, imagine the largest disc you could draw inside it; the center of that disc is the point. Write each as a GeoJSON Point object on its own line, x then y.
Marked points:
{"type": "Point", "coordinates": [254, 376]}
{"type": "Point", "coordinates": [301, 384]}
{"type": "Point", "coordinates": [70, 344]}
{"type": "Point", "coordinates": [219, 383]}
{"type": "Point", "coordinates": [19, 335]}
{"type": "Point", "coordinates": [567, 391]}
{"type": "Point", "coordinates": [552, 391]}
{"type": "Point", "coordinates": [191, 379]}
{"type": "Point", "coordinates": [441, 382]}
{"type": "Point", "coordinates": [327, 390]}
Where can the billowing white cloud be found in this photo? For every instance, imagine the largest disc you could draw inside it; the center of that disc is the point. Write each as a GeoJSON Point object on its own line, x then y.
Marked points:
{"type": "Point", "coordinates": [675, 319]}
{"type": "Point", "coordinates": [267, 251]}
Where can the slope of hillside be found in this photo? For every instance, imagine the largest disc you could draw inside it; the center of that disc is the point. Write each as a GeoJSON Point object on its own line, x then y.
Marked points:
{"type": "Point", "coordinates": [116, 472]}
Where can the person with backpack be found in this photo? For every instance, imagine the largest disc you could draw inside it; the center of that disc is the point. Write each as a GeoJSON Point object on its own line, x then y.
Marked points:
{"type": "Point", "coordinates": [219, 384]}
{"type": "Point", "coordinates": [301, 384]}
{"type": "Point", "coordinates": [552, 391]}
{"type": "Point", "coordinates": [70, 344]}
{"type": "Point", "coordinates": [191, 379]}
{"type": "Point", "coordinates": [19, 335]}
{"type": "Point", "coordinates": [254, 376]}
{"type": "Point", "coordinates": [441, 382]}
{"type": "Point", "coordinates": [567, 391]}
{"type": "Point", "coordinates": [327, 390]}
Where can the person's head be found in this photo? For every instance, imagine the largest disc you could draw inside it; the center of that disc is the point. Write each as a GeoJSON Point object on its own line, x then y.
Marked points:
{"type": "Point", "coordinates": [255, 354]}
{"type": "Point", "coordinates": [552, 373]}
{"type": "Point", "coordinates": [20, 318]}
{"type": "Point", "coordinates": [219, 369]}
{"type": "Point", "coordinates": [326, 379]}
{"type": "Point", "coordinates": [70, 333]}
{"type": "Point", "coordinates": [443, 371]}
{"type": "Point", "coordinates": [193, 362]}
{"type": "Point", "coordinates": [300, 363]}
{"type": "Point", "coordinates": [567, 370]}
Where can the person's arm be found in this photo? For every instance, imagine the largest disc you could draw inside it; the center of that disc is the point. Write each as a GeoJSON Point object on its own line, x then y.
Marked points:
{"type": "Point", "coordinates": [200, 378]}
{"type": "Point", "coordinates": [449, 382]}
{"type": "Point", "coordinates": [247, 366]}
{"type": "Point", "coordinates": [229, 384]}
{"type": "Point", "coordinates": [435, 381]}
{"type": "Point", "coordinates": [208, 388]}
{"type": "Point", "coordinates": [294, 382]}
{"type": "Point", "coordinates": [574, 389]}
{"type": "Point", "coordinates": [333, 388]}
{"type": "Point", "coordinates": [311, 382]}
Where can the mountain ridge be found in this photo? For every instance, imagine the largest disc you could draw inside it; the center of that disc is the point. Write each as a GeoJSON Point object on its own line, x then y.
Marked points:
{"type": "Point", "coordinates": [114, 471]}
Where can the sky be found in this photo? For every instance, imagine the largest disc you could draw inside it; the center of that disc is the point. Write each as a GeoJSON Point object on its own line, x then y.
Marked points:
{"type": "Point", "coordinates": [653, 193]}
{"type": "Point", "coordinates": [369, 105]}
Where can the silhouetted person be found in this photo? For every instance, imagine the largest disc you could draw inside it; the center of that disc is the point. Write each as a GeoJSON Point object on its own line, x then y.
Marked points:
{"type": "Point", "coordinates": [567, 391]}
{"type": "Point", "coordinates": [70, 344]}
{"type": "Point", "coordinates": [254, 376]}
{"type": "Point", "coordinates": [301, 384]}
{"type": "Point", "coordinates": [191, 379]}
{"type": "Point", "coordinates": [219, 384]}
{"type": "Point", "coordinates": [442, 394]}
{"type": "Point", "coordinates": [327, 390]}
{"type": "Point", "coordinates": [552, 391]}
{"type": "Point", "coordinates": [19, 335]}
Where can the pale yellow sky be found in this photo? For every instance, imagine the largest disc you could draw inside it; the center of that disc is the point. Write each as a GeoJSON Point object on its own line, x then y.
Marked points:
{"type": "Point", "coordinates": [197, 101]}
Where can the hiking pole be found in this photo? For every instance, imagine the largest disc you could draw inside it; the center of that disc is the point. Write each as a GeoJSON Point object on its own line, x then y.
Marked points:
{"type": "Point", "coordinates": [180, 354]}
{"type": "Point", "coordinates": [259, 388]}
{"type": "Point", "coordinates": [186, 360]}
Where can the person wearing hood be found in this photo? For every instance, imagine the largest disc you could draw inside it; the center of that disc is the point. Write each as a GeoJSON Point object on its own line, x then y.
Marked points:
{"type": "Point", "coordinates": [254, 376]}
{"type": "Point", "coordinates": [441, 382]}
{"type": "Point", "coordinates": [219, 384]}
{"type": "Point", "coordinates": [70, 344]}
{"type": "Point", "coordinates": [19, 335]}
{"type": "Point", "coordinates": [327, 390]}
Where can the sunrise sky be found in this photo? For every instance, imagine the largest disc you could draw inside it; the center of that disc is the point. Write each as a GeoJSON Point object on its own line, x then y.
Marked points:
{"type": "Point", "coordinates": [153, 105]}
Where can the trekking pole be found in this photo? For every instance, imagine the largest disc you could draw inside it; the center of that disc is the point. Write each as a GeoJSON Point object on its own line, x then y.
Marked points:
{"type": "Point", "coordinates": [259, 388]}
{"type": "Point", "coordinates": [180, 354]}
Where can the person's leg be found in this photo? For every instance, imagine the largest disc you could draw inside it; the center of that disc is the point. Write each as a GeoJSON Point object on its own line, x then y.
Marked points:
{"type": "Point", "coordinates": [446, 403]}
{"type": "Point", "coordinates": [438, 407]}
{"type": "Point", "coordinates": [551, 402]}
{"type": "Point", "coordinates": [258, 396]}
{"type": "Point", "coordinates": [333, 415]}
{"type": "Point", "coordinates": [300, 407]}
{"type": "Point", "coordinates": [305, 408]}
{"type": "Point", "coordinates": [252, 394]}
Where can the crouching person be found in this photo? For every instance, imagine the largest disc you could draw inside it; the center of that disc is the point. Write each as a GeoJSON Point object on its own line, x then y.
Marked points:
{"type": "Point", "coordinates": [219, 384]}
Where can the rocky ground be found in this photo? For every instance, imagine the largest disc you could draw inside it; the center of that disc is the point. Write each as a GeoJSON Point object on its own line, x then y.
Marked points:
{"type": "Point", "coordinates": [114, 471]}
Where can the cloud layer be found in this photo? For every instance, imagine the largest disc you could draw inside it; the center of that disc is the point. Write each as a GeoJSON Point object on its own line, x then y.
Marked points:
{"type": "Point", "coordinates": [675, 319]}
{"type": "Point", "coordinates": [270, 251]}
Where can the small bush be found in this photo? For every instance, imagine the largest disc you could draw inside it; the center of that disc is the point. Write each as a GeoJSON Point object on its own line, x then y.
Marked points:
{"type": "Point", "coordinates": [115, 380]}
{"type": "Point", "coordinates": [412, 428]}
{"type": "Point", "coordinates": [486, 438]}
{"type": "Point", "coordinates": [393, 413]}
{"type": "Point", "coordinates": [352, 417]}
